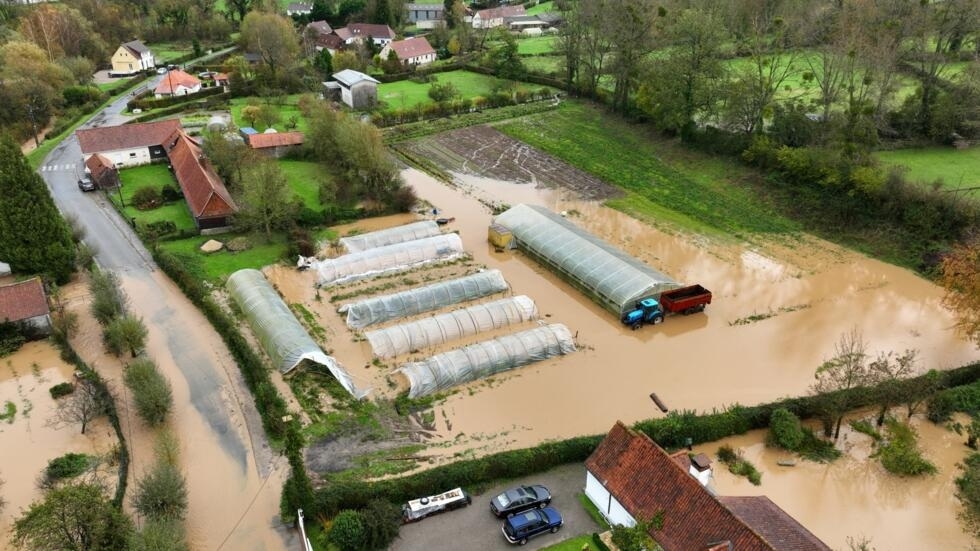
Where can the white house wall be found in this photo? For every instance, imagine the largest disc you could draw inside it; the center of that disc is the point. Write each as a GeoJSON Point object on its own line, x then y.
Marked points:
{"type": "Point", "coordinates": [346, 96]}
{"type": "Point", "coordinates": [128, 157]}
{"type": "Point", "coordinates": [608, 506]}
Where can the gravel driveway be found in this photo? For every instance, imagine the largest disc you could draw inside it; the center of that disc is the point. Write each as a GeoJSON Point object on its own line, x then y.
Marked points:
{"type": "Point", "coordinates": [474, 527]}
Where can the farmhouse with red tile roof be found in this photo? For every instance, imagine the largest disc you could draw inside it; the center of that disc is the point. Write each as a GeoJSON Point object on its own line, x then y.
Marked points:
{"type": "Point", "coordinates": [129, 144]}
{"type": "Point", "coordinates": [411, 51]}
{"type": "Point", "coordinates": [629, 477]}
{"type": "Point", "coordinates": [25, 303]}
{"type": "Point", "coordinates": [207, 198]}
{"type": "Point", "coordinates": [177, 83]}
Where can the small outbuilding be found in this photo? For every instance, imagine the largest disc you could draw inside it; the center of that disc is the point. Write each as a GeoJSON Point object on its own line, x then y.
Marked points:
{"type": "Point", "coordinates": [357, 90]}
{"type": "Point", "coordinates": [24, 303]}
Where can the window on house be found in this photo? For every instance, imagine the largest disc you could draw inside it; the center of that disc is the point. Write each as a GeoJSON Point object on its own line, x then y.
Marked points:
{"type": "Point", "coordinates": [132, 155]}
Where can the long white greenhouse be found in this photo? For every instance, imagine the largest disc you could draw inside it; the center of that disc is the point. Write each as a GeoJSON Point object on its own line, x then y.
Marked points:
{"type": "Point", "coordinates": [387, 259]}
{"type": "Point", "coordinates": [420, 334]}
{"type": "Point", "coordinates": [410, 302]}
{"type": "Point", "coordinates": [281, 335]}
{"type": "Point", "coordinates": [486, 358]}
{"type": "Point", "coordinates": [390, 236]}
{"type": "Point", "coordinates": [608, 275]}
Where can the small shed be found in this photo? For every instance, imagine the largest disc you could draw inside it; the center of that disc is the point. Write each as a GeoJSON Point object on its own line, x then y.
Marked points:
{"type": "Point", "coordinates": [246, 132]}
{"type": "Point", "coordinates": [24, 303]}
{"type": "Point", "coordinates": [500, 237]}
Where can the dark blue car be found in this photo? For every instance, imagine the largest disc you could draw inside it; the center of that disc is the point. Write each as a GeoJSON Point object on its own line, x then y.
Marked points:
{"type": "Point", "coordinates": [523, 526]}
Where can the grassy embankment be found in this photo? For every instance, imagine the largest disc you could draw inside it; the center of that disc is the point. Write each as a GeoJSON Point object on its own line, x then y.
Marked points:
{"type": "Point", "coordinates": [664, 183]}
{"type": "Point", "coordinates": [406, 94]}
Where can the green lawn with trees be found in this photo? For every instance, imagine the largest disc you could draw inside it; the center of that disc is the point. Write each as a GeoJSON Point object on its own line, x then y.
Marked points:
{"type": "Point", "coordinates": [536, 45]}
{"type": "Point", "coordinates": [954, 168]}
{"type": "Point", "coordinates": [406, 94]}
{"type": "Point", "coordinates": [542, 7]}
{"type": "Point", "coordinates": [157, 177]}
{"type": "Point", "coordinates": [282, 113]}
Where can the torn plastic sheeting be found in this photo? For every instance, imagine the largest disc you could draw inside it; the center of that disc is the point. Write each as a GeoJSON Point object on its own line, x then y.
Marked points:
{"type": "Point", "coordinates": [390, 236]}
{"type": "Point", "coordinates": [441, 328]}
{"type": "Point", "coordinates": [486, 358]}
{"type": "Point", "coordinates": [281, 335]}
{"type": "Point", "coordinates": [390, 258]}
{"type": "Point", "coordinates": [423, 299]}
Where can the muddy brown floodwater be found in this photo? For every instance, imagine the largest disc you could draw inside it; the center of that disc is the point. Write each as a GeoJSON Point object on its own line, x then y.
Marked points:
{"type": "Point", "coordinates": [27, 440]}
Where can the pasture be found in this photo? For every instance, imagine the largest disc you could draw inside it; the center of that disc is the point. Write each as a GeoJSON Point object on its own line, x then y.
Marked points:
{"type": "Point", "coordinates": [949, 168]}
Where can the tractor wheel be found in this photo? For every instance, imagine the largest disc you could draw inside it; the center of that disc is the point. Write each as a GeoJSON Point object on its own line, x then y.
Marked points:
{"type": "Point", "coordinates": [636, 326]}
{"type": "Point", "coordinates": [657, 320]}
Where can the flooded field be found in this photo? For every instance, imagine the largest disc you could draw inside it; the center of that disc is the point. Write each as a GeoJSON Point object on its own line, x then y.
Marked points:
{"type": "Point", "coordinates": [28, 439]}
{"type": "Point", "coordinates": [854, 496]}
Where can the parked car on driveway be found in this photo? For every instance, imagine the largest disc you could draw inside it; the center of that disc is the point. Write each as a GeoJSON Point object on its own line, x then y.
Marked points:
{"type": "Point", "coordinates": [521, 527]}
{"type": "Point", "coordinates": [86, 184]}
{"type": "Point", "coordinates": [520, 499]}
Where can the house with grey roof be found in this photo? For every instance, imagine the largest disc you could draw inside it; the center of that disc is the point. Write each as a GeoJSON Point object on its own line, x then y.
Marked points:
{"type": "Point", "coordinates": [355, 89]}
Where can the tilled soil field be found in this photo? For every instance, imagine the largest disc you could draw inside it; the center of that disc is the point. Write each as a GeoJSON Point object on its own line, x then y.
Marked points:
{"type": "Point", "coordinates": [483, 151]}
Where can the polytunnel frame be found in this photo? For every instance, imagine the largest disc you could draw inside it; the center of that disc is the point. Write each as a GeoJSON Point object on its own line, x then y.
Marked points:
{"type": "Point", "coordinates": [657, 281]}
{"type": "Point", "coordinates": [281, 335]}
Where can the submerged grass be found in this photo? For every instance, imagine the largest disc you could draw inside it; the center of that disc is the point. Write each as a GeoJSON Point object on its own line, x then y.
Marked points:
{"type": "Point", "coordinates": [691, 191]}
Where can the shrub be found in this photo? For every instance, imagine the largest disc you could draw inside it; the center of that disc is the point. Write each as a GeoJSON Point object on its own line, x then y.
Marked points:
{"type": "Point", "coordinates": [151, 391]}
{"type": "Point", "coordinates": [817, 449]}
{"type": "Point", "coordinates": [381, 521]}
{"type": "Point", "coordinates": [170, 194]}
{"type": "Point", "coordinates": [865, 427]}
{"type": "Point", "coordinates": [901, 455]}
{"type": "Point", "coordinates": [159, 535]}
{"type": "Point", "coordinates": [347, 531]}
{"type": "Point", "coordinates": [61, 389]}
{"type": "Point", "coordinates": [785, 430]}
{"type": "Point", "coordinates": [108, 300]}
{"type": "Point", "coordinates": [301, 243]}
{"type": "Point", "coordinates": [238, 244]}
{"type": "Point", "coordinates": [161, 494]}
{"type": "Point", "coordinates": [125, 333]}
{"type": "Point", "coordinates": [146, 198]}
{"type": "Point", "coordinates": [69, 465]}
{"type": "Point", "coordinates": [11, 338]}
{"type": "Point", "coordinates": [968, 489]}
{"type": "Point", "coordinates": [159, 228]}
{"type": "Point", "coordinates": [738, 465]}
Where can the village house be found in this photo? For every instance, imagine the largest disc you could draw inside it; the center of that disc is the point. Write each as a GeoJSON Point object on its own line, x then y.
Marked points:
{"type": "Point", "coordinates": [411, 51]}
{"type": "Point", "coordinates": [353, 88]}
{"type": "Point", "coordinates": [494, 17]}
{"type": "Point", "coordinates": [129, 144]}
{"type": "Point", "coordinates": [132, 57]}
{"type": "Point", "coordinates": [177, 83]}
{"type": "Point", "coordinates": [425, 16]}
{"type": "Point", "coordinates": [24, 303]}
{"type": "Point", "coordinates": [630, 477]}
{"type": "Point", "coordinates": [274, 144]}
{"type": "Point", "coordinates": [355, 33]}
{"type": "Point", "coordinates": [208, 200]}
{"type": "Point", "coordinates": [322, 37]}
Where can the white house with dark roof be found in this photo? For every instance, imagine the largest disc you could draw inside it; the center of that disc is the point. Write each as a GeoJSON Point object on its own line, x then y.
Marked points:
{"type": "Point", "coordinates": [132, 57]}
{"type": "Point", "coordinates": [411, 51]}
{"type": "Point", "coordinates": [129, 144]}
{"type": "Point", "coordinates": [355, 33]}
{"type": "Point", "coordinates": [357, 90]}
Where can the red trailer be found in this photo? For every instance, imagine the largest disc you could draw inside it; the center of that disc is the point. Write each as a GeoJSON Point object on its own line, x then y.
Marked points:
{"type": "Point", "coordinates": [686, 300]}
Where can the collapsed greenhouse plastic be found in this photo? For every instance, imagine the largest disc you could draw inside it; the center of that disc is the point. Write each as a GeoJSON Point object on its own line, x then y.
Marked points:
{"type": "Point", "coordinates": [390, 236]}
{"type": "Point", "coordinates": [608, 275]}
{"type": "Point", "coordinates": [486, 358]}
{"type": "Point", "coordinates": [390, 258]}
{"type": "Point", "coordinates": [441, 328]}
{"type": "Point", "coordinates": [280, 334]}
{"type": "Point", "coordinates": [423, 299]}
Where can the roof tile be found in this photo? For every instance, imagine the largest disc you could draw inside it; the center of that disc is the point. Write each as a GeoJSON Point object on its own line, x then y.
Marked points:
{"type": "Point", "coordinates": [126, 136]}
{"type": "Point", "coordinates": [206, 194]}
{"type": "Point", "coordinates": [23, 300]}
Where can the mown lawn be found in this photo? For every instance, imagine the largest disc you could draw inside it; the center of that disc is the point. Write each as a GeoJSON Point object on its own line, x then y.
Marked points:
{"type": "Point", "coordinates": [956, 168]}
{"type": "Point", "coordinates": [536, 45]}
{"type": "Point", "coordinates": [580, 543]}
{"type": "Point", "coordinates": [288, 109]}
{"type": "Point", "coordinates": [156, 176]}
{"type": "Point", "coordinates": [406, 94]}
{"type": "Point", "coordinates": [543, 64]}
{"type": "Point", "coordinates": [304, 179]}
{"type": "Point", "coordinates": [216, 267]}
{"type": "Point", "coordinates": [691, 191]}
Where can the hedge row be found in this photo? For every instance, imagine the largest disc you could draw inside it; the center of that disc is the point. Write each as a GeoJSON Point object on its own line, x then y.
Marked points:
{"type": "Point", "coordinates": [298, 490]}
{"type": "Point", "coordinates": [147, 103]}
{"type": "Point", "coordinates": [676, 430]}
{"type": "Point", "coordinates": [69, 355]}
{"type": "Point", "coordinates": [191, 106]}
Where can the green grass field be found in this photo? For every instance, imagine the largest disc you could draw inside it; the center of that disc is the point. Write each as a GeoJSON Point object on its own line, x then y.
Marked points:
{"type": "Point", "coordinates": [216, 267]}
{"type": "Point", "coordinates": [155, 176]}
{"type": "Point", "coordinates": [542, 7]}
{"type": "Point", "coordinates": [406, 94]}
{"type": "Point", "coordinates": [536, 45]}
{"type": "Point", "coordinates": [543, 64]}
{"type": "Point", "coordinates": [288, 109]}
{"type": "Point", "coordinates": [304, 179]}
{"type": "Point", "coordinates": [692, 191]}
{"type": "Point", "coordinates": [580, 543]}
{"type": "Point", "coordinates": [956, 168]}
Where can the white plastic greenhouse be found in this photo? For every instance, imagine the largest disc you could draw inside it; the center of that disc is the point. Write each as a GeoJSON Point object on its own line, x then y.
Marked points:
{"type": "Point", "coordinates": [423, 299]}
{"type": "Point", "coordinates": [486, 358]}
{"type": "Point", "coordinates": [280, 334]}
{"type": "Point", "coordinates": [608, 275]}
{"type": "Point", "coordinates": [441, 328]}
{"type": "Point", "coordinates": [390, 236]}
{"type": "Point", "coordinates": [390, 258]}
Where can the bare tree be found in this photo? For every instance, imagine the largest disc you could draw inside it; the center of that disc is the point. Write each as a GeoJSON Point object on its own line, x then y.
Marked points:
{"type": "Point", "coordinates": [888, 373]}
{"type": "Point", "coordinates": [89, 401]}
{"type": "Point", "coordinates": [846, 370]}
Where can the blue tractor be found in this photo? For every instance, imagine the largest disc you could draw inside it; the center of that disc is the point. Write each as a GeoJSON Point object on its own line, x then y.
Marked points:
{"type": "Point", "coordinates": [647, 311]}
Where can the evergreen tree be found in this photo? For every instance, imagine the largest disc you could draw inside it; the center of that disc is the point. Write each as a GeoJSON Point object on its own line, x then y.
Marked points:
{"type": "Point", "coordinates": [34, 238]}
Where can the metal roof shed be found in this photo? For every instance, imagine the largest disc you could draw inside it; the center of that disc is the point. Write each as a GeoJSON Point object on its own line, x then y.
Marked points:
{"type": "Point", "coordinates": [608, 275]}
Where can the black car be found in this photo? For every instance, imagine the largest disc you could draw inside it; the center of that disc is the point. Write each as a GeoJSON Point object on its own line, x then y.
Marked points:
{"type": "Point", "coordinates": [86, 184]}
{"type": "Point", "coordinates": [520, 499]}
{"type": "Point", "coordinates": [523, 526]}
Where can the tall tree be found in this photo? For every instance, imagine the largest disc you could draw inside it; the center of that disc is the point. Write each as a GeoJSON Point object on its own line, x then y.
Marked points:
{"type": "Point", "coordinates": [162, 493]}
{"type": "Point", "coordinates": [88, 402]}
{"type": "Point", "coordinates": [846, 370]}
{"type": "Point", "coordinates": [631, 38]}
{"type": "Point", "coordinates": [239, 8]}
{"type": "Point", "coordinates": [265, 200]}
{"type": "Point", "coordinates": [887, 373]}
{"type": "Point", "coordinates": [272, 37]}
{"type": "Point", "coordinates": [961, 280]}
{"type": "Point", "coordinates": [76, 517]}
{"type": "Point", "coordinates": [685, 85]}
{"type": "Point", "coordinates": [34, 238]}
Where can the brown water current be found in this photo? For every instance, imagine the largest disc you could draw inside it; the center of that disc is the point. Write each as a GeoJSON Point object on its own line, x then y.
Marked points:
{"type": "Point", "coordinates": [28, 440]}
{"type": "Point", "coordinates": [854, 497]}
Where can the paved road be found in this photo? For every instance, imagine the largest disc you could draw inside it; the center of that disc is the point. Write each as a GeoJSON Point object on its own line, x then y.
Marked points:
{"type": "Point", "coordinates": [474, 527]}
{"type": "Point", "coordinates": [167, 313]}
